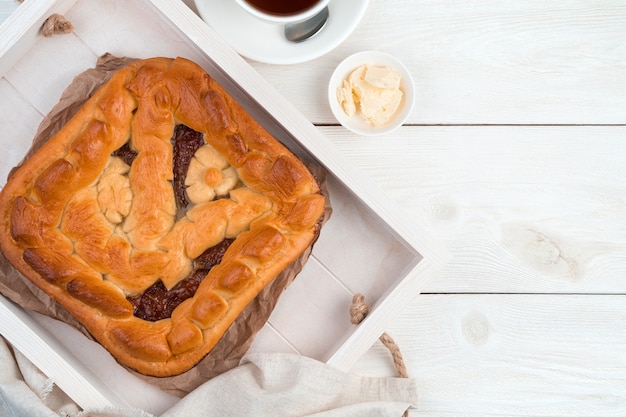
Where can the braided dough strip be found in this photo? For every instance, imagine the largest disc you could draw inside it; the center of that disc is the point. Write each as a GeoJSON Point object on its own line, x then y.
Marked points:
{"type": "Point", "coordinates": [55, 231]}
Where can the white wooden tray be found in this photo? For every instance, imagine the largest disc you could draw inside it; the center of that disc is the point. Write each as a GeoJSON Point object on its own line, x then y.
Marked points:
{"type": "Point", "coordinates": [368, 246]}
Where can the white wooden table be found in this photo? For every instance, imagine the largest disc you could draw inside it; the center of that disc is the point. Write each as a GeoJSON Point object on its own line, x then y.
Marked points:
{"type": "Point", "coordinates": [515, 159]}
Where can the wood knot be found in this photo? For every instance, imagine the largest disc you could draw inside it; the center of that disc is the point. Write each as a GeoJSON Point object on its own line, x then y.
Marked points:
{"type": "Point", "coordinates": [358, 309]}
{"type": "Point", "coordinates": [56, 24]}
{"type": "Point", "coordinates": [476, 329]}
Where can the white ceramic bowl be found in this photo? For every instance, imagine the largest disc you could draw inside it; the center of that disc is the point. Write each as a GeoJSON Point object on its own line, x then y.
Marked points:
{"type": "Point", "coordinates": [356, 123]}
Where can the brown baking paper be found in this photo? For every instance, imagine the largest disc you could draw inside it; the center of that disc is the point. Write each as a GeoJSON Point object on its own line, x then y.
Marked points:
{"type": "Point", "coordinates": [235, 342]}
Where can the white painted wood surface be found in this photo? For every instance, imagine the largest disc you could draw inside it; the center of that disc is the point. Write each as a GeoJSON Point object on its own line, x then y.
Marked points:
{"type": "Point", "coordinates": [515, 160]}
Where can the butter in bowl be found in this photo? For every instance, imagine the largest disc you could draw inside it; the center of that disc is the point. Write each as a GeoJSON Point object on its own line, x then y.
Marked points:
{"type": "Point", "coordinates": [371, 93]}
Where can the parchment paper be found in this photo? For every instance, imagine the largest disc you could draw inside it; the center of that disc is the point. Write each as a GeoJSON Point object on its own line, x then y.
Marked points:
{"type": "Point", "coordinates": [235, 342]}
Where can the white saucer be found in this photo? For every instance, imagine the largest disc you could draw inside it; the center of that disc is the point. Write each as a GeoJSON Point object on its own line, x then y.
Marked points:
{"type": "Point", "coordinates": [265, 42]}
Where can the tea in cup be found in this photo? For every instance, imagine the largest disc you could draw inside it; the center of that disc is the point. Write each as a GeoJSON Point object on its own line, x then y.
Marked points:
{"type": "Point", "coordinates": [283, 11]}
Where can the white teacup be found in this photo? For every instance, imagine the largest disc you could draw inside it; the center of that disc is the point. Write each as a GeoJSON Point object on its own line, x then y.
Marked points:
{"type": "Point", "coordinates": [283, 11]}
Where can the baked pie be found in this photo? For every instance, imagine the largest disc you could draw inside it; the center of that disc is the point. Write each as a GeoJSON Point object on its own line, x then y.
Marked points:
{"type": "Point", "coordinates": [157, 213]}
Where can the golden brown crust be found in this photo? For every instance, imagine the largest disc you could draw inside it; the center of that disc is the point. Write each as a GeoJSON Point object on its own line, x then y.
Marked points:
{"type": "Point", "coordinates": [91, 231]}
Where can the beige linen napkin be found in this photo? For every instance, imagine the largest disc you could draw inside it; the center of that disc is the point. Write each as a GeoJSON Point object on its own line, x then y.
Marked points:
{"type": "Point", "coordinates": [286, 385]}
{"type": "Point", "coordinates": [263, 385]}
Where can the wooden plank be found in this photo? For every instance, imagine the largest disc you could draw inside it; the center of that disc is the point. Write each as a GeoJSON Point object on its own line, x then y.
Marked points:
{"type": "Point", "coordinates": [21, 30]}
{"type": "Point", "coordinates": [523, 209]}
{"type": "Point", "coordinates": [22, 127]}
{"type": "Point", "coordinates": [511, 355]}
{"type": "Point", "coordinates": [54, 359]}
{"type": "Point", "coordinates": [115, 32]}
{"type": "Point", "coordinates": [369, 269]}
{"type": "Point", "coordinates": [308, 314]}
{"type": "Point", "coordinates": [50, 66]}
{"type": "Point", "coordinates": [102, 368]}
{"type": "Point", "coordinates": [486, 62]}
{"type": "Point", "coordinates": [7, 8]}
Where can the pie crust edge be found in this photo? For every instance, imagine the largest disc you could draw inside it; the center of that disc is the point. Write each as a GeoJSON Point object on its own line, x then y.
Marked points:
{"type": "Point", "coordinates": [169, 346]}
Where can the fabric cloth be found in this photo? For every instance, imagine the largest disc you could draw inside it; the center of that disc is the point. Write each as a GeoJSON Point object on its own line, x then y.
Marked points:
{"type": "Point", "coordinates": [282, 385]}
